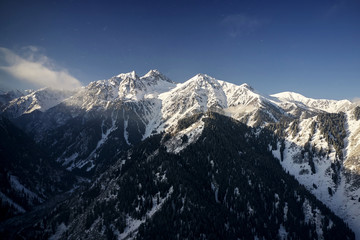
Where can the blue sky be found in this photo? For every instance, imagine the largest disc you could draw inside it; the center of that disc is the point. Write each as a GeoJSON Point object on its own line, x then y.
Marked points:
{"type": "Point", "coordinates": [309, 47]}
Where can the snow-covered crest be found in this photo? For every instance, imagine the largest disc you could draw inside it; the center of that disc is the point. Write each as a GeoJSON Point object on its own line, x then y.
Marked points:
{"type": "Point", "coordinates": [200, 93]}
{"type": "Point", "coordinates": [158, 104]}
{"type": "Point", "coordinates": [42, 100]}
{"type": "Point", "coordinates": [316, 104]}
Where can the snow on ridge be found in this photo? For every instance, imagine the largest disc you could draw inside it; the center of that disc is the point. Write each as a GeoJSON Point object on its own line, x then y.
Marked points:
{"type": "Point", "coordinates": [196, 95]}
{"type": "Point", "coordinates": [202, 93]}
{"type": "Point", "coordinates": [185, 137]}
{"type": "Point", "coordinates": [203, 90]}
{"type": "Point", "coordinates": [240, 94]}
{"type": "Point", "coordinates": [344, 196]}
{"type": "Point", "coordinates": [8, 96]}
{"type": "Point", "coordinates": [326, 105]}
{"type": "Point", "coordinates": [167, 102]}
{"type": "Point", "coordinates": [131, 74]}
{"type": "Point", "coordinates": [6, 199]}
{"type": "Point", "coordinates": [132, 225]}
{"type": "Point", "coordinates": [156, 74]}
{"type": "Point", "coordinates": [126, 133]}
{"type": "Point", "coordinates": [352, 143]}
{"type": "Point", "coordinates": [290, 96]}
{"type": "Point", "coordinates": [42, 100]}
{"type": "Point", "coordinates": [14, 181]}
{"type": "Point", "coordinates": [152, 72]}
{"type": "Point", "coordinates": [91, 157]}
{"type": "Point", "coordinates": [125, 87]}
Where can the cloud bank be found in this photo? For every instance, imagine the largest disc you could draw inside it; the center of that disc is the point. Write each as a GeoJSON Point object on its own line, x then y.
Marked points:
{"type": "Point", "coordinates": [36, 69]}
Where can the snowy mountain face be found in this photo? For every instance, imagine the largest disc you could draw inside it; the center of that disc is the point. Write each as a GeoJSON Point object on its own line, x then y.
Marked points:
{"type": "Point", "coordinates": [226, 185]}
{"type": "Point", "coordinates": [7, 96]}
{"type": "Point", "coordinates": [126, 87]}
{"type": "Point", "coordinates": [90, 129]}
{"type": "Point", "coordinates": [322, 153]}
{"type": "Point", "coordinates": [331, 106]}
{"type": "Point", "coordinates": [115, 112]}
{"type": "Point", "coordinates": [203, 93]}
{"type": "Point", "coordinates": [41, 100]}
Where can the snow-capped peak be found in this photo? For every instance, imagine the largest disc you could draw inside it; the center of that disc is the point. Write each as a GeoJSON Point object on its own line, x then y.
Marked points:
{"type": "Point", "coordinates": [153, 73]}
{"type": "Point", "coordinates": [290, 96]}
{"type": "Point", "coordinates": [247, 86]}
{"type": "Point", "coordinates": [201, 80]}
{"type": "Point", "coordinates": [198, 94]}
{"type": "Point", "coordinates": [202, 76]}
{"type": "Point", "coordinates": [149, 86]}
{"type": "Point", "coordinates": [131, 75]}
{"type": "Point", "coordinates": [153, 76]}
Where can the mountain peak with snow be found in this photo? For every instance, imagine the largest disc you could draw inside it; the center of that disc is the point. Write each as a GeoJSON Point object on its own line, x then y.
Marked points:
{"type": "Point", "coordinates": [202, 76]}
{"type": "Point", "coordinates": [204, 81]}
{"type": "Point", "coordinates": [290, 96]}
{"type": "Point", "coordinates": [313, 104]}
{"type": "Point", "coordinates": [203, 90]}
{"type": "Point", "coordinates": [131, 75]}
{"type": "Point", "coordinates": [108, 116]}
{"type": "Point", "coordinates": [41, 100]}
{"type": "Point", "coordinates": [247, 86]}
{"type": "Point", "coordinates": [154, 76]}
{"type": "Point", "coordinates": [153, 73]}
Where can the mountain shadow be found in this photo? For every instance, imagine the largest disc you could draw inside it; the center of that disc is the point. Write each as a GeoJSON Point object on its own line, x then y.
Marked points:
{"type": "Point", "coordinates": [226, 185]}
{"type": "Point", "coordinates": [28, 176]}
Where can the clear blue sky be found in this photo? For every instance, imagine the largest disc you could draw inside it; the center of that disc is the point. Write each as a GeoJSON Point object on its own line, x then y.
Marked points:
{"type": "Point", "coordinates": [309, 47]}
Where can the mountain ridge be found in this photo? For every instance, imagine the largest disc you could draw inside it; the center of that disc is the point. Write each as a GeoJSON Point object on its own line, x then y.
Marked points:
{"type": "Point", "coordinates": [91, 129]}
{"type": "Point", "coordinates": [128, 79]}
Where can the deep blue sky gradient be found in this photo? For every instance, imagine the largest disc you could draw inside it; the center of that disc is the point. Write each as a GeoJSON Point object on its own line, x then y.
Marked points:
{"type": "Point", "coordinates": [309, 47]}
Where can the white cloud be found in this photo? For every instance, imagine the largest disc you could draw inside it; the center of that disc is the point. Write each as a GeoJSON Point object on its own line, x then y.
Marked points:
{"type": "Point", "coordinates": [36, 69]}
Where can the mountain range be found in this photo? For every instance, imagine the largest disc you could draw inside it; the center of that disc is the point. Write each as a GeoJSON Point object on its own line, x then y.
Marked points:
{"type": "Point", "coordinates": [145, 157]}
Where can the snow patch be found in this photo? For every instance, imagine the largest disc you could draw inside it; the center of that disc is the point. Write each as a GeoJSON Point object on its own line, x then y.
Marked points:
{"type": "Point", "coordinates": [4, 198]}
{"type": "Point", "coordinates": [126, 134]}
{"type": "Point", "coordinates": [344, 198]}
{"type": "Point", "coordinates": [14, 181]}
{"type": "Point", "coordinates": [132, 225]}
{"type": "Point", "coordinates": [59, 232]}
{"type": "Point", "coordinates": [192, 134]}
{"type": "Point", "coordinates": [283, 234]}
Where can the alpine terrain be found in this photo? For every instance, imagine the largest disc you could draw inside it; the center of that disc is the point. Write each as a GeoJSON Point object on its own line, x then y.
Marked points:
{"type": "Point", "coordinates": [147, 158]}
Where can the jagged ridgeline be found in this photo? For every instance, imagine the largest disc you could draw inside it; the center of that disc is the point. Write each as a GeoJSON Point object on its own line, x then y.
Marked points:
{"type": "Point", "coordinates": [93, 134]}
{"type": "Point", "coordinates": [226, 185]}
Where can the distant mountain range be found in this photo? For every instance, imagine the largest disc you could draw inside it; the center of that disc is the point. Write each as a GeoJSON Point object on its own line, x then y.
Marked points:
{"type": "Point", "coordinates": [145, 157]}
